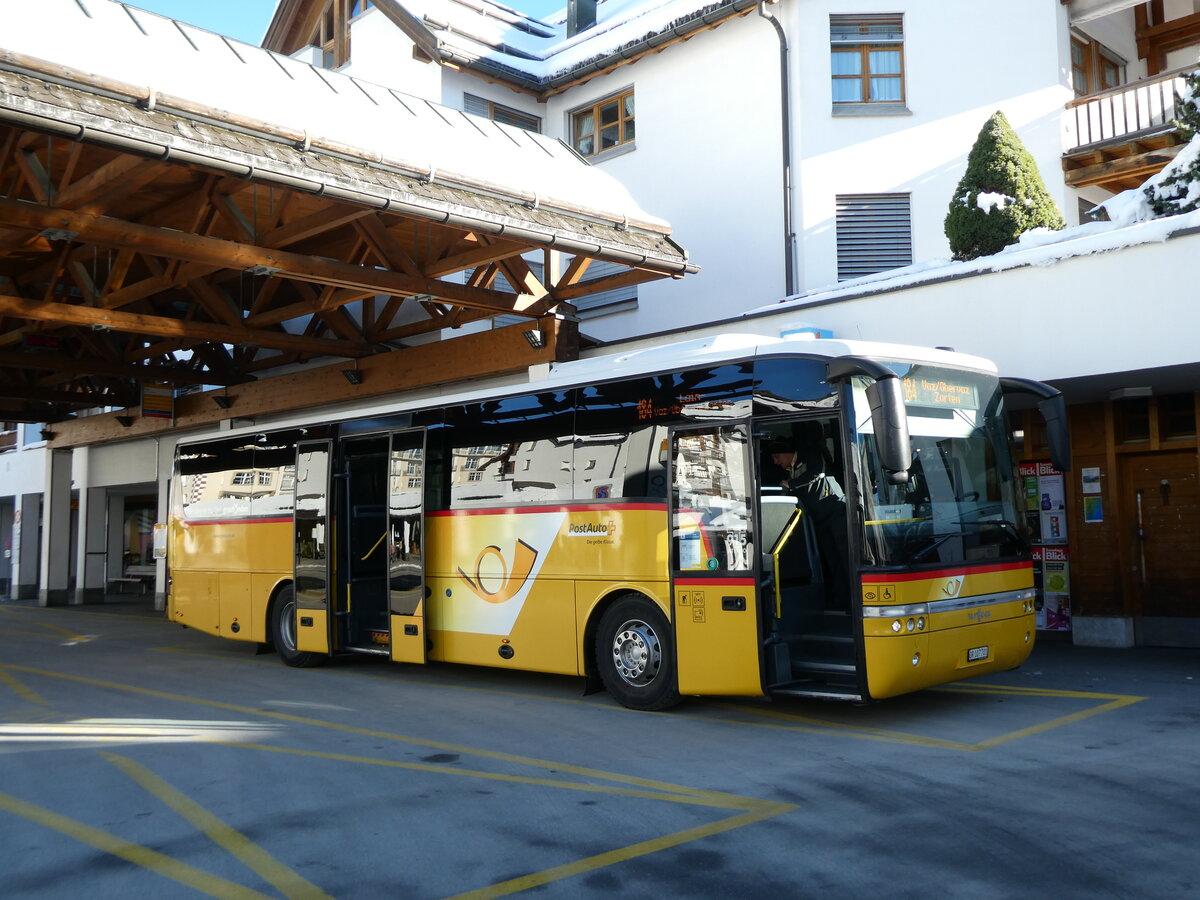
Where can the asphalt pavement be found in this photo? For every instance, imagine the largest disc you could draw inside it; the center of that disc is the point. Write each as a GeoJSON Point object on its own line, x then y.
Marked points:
{"type": "Point", "coordinates": [140, 759]}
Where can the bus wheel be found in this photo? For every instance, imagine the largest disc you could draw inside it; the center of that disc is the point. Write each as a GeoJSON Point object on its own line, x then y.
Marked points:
{"type": "Point", "coordinates": [283, 632]}
{"type": "Point", "coordinates": [635, 655]}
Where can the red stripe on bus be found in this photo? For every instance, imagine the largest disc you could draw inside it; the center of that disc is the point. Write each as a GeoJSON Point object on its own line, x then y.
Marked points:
{"type": "Point", "coordinates": [525, 510]}
{"type": "Point", "coordinates": [944, 573]}
{"type": "Point", "coordinates": [247, 520]}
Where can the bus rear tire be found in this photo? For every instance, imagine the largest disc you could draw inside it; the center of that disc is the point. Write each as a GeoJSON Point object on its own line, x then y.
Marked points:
{"type": "Point", "coordinates": [283, 632]}
{"type": "Point", "coordinates": [636, 656]}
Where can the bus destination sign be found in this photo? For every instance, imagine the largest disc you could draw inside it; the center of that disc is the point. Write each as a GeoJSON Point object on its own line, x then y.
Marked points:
{"type": "Point", "coordinates": [922, 391]}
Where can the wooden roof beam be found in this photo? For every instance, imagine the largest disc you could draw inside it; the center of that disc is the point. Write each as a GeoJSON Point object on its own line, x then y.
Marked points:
{"type": "Point", "coordinates": [137, 323]}
{"type": "Point", "coordinates": [82, 365]}
{"type": "Point", "coordinates": [11, 391]}
{"type": "Point", "coordinates": [230, 255]}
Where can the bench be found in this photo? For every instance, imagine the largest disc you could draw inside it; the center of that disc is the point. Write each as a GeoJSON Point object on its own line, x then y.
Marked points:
{"type": "Point", "coordinates": [127, 579]}
{"type": "Point", "coordinates": [142, 576]}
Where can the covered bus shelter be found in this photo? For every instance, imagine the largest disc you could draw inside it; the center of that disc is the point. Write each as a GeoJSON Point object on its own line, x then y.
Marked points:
{"type": "Point", "coordinates": [194, 230]}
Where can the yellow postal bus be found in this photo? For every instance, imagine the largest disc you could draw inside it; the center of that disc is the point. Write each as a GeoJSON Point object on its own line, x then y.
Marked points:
{"type": "Point", "coordinates": [740, 515]}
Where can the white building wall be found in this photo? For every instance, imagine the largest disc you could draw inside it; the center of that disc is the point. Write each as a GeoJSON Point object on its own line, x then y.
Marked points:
{"type": "Point", "coordinates": [455, 84]}
{"type": "Point", "coordinates": [381, 53]}
{"type": "Point", "coordinates": [956, 76]}
{"type": "Point", "coordinates": [23, 470]}
{"type": "Point", "coordinates": [707, 160]}
{"type": "Point", "coordinates": [1050, 320]}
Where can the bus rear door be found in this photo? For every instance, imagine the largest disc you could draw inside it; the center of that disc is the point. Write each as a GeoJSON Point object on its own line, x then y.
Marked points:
{"type": "Point", "coordinates": [406, 540]}
{"type": "Point", "coordinates": [313, 547]}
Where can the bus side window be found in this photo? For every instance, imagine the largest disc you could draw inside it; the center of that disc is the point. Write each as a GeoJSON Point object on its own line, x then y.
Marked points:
{"type": "Point", "coordinates": [514, 450]}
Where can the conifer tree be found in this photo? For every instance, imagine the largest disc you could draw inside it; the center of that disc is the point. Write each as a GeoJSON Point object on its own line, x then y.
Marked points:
{"type": "Point", "coordinates": [1177, 189]}
{"type": "Point", "coordinates": [1000, 197]}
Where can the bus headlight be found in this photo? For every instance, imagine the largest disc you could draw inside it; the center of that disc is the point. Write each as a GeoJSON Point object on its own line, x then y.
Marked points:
{"type": "Point", "coordinates": [921, 624]}
{"type": "Point", "coordinates": [897, 626]}
{"type": "Point", "coordinates": [916, 660]}
{"type": "Point", "coordinates": [911, 624]}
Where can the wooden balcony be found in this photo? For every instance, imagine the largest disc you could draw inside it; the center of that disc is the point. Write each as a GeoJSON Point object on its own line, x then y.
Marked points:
{"type": "Point", "coordinates": [1120, 137]}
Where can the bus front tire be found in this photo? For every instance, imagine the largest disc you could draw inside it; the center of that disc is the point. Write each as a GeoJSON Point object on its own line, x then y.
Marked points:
{"type": "Point", "coordinates": [635, 655]}
{"type": "Point", "coordinates": [283, 632]}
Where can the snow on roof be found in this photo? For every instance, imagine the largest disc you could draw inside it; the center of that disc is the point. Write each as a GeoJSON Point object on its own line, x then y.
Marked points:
{"type": "Point", "coordinates": [131, 45]}
{"type": "Point", "coordinates": [483, 32]}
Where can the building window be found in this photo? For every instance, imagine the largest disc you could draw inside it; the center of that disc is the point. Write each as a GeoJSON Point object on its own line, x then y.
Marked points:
{"type": "Point", "coordinates": [867, 58]}
{"type": "Point", "coordinates": [603, 126]}
{"type": "Point", "coordinates": [1176, 417]}
{"type": "Point", "coordinates": [1132, 420]}
{"type": "Point", "coordinates": [332, 34]}
{"type": "Point", "coordinates": [497, 112]}
{"type": "Point", "coordinates": [1094, 67]}
{"type": "Point", "coordinates": [243, 478]}
{"type": "Point", "coordinates": [874, 233]}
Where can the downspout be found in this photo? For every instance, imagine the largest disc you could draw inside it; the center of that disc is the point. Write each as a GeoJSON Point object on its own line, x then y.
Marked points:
{"type": "Point", "coordinates": [789, 237]}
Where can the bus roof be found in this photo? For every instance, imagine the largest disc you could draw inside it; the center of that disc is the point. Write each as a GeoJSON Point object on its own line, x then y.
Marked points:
{"type": "Point", "coordinates": [674, 357]}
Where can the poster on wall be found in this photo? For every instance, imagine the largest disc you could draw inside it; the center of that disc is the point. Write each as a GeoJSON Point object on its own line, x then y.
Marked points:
{"type": "Point", "coordinates": [1052, 500]}
{"type": "Point", "coordinates": [1046, 514]}
{"type": "Point", "coordinates": [1052, 567]}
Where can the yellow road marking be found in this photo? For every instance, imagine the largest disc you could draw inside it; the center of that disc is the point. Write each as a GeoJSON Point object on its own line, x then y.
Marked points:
{"type": "Point", "coordinates": [806, 724]}
{"type": "Point", "coordinates": [26, 694]}
{"type": "Point", "coordinates": [282, 878]}
{"type": "Point", "coordinates": [766, 810]}
{"type": "Point", "coordinates": [811, 725]}
{"type": "Point", "coordinates": [212, 885]}
{"type": "Point", "coordinates": [387, 735]}
{"type": "Point", "coordinates": [756, 810]}
{"type": "Point", "coordinates": [824, 726]}
{"type": "Point", "coordinates": [1027, 690]}
{"type": "Point", "coordinates": [52, 626]}
{"type": "Point", "coordinates": [720, 802]}
{"type": "Point", "coordinates": [1056, 723]}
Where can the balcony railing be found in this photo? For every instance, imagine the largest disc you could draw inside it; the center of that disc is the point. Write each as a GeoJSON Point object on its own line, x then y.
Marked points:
{"type": "Point", "coordinates": [1124, 113]}
{"type": "Point", "coordinates": [8, 439]}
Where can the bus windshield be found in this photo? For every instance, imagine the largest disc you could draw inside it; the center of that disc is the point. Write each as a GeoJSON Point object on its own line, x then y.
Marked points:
{"type": "Point", "coordinates": [959, 503]}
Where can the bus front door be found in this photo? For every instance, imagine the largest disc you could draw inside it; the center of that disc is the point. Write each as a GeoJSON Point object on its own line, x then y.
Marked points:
{"type": "Point", "coordinates": [714, 590]}
{"type": "Point", "coordinates": [313, 622]}
{"type": "Point", "coordinates": [405, 550]}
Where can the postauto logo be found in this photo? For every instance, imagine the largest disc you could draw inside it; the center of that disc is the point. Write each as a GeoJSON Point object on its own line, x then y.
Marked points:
{"type": "Point", "coordinates": [491, 569]}
{"type": "Point", "coordinates": [497, 583]}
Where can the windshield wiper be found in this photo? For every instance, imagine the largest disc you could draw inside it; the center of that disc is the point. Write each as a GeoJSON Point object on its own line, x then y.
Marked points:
{"type": "Point", "coordinates": [937, 542]}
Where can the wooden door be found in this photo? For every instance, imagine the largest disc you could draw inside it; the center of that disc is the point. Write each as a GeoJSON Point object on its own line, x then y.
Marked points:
{"type": "Point", "coordinates": [1162, 505]}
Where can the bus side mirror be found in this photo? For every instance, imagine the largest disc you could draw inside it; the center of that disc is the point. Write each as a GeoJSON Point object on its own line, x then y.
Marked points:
{"type": "Point", "coordinates": [1053, 407]}
{"type": "Point", "coordinates": [889, 419]}
{"type": "Point", "coordinates": [890, 424]}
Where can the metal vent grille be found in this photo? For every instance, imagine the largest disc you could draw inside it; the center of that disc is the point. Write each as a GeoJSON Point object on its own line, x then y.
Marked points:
{"type": "Point", "coordinates": [874, 233]}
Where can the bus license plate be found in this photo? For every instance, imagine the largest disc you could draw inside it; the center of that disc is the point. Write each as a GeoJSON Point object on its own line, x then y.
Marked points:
{"type": "Point", "coordinates": [977, 653]}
